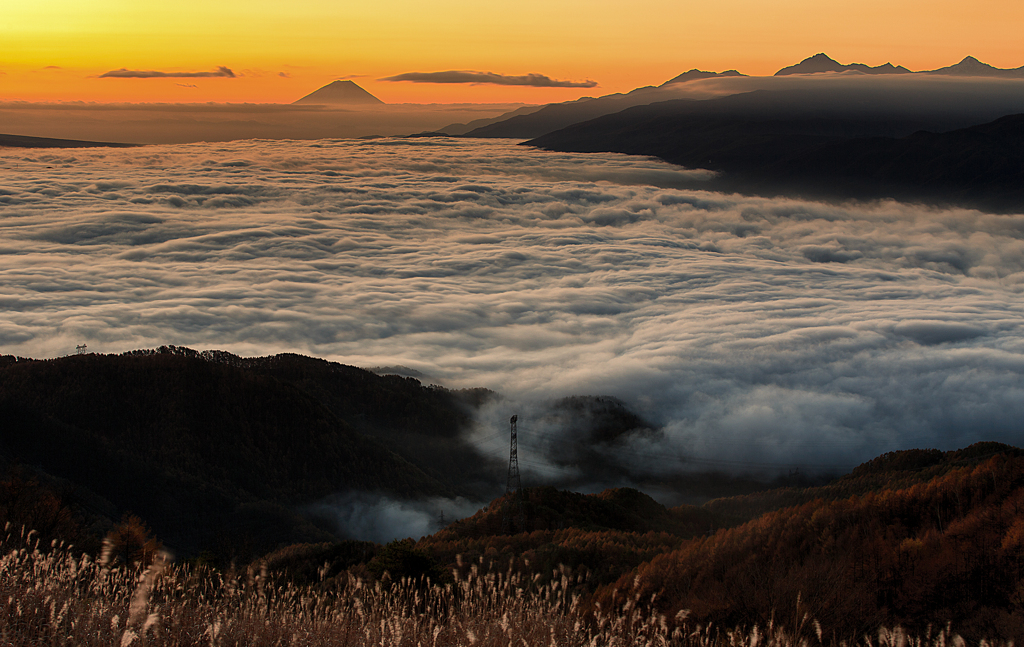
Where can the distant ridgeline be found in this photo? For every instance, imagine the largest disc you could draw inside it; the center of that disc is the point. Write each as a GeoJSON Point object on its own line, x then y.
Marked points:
{"type": "Point", "coordinates": [969, 66]}
{"type": "Point", "coordinates": [24, 141]}
{"type": "Point", "coordinates": [782, 142]}
{"type": "Point", "coordinates": [821, 130]}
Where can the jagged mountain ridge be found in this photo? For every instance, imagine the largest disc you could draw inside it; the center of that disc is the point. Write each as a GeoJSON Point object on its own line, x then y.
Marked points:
{"type": "Point", "coordinates": [969, 66]}
{"type": "Point", "coordinates": [562, 115]}
{"type": "Point", "coordinates": [695, 74]}
{"type": "Point", "coordinates": [823, 63]}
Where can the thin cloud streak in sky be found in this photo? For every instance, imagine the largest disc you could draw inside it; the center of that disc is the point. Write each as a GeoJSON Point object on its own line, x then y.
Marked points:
{"type": "Point", "coordinates": [747, 330]}
{"type": "Point", "coordinates": [123, 73]}
{"type": "Point", "coordinates": [467, 76]}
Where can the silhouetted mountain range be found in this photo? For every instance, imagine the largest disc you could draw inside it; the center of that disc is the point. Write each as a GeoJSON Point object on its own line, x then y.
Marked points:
{"type": "Point", "coordinates": [532, 123]}
{"type": "Point", "coordinates": [457, 130]}
{"type": "Point", "coordinates": [844, 143]}
{"type": "Point", "coordinates": [527, 123]}
{"type": "Point", "coordinates": [969, 66]}
{"type": "Point", "coordinates": [822, 63]}
{"type": "Point", "coordinates": [559, 115]}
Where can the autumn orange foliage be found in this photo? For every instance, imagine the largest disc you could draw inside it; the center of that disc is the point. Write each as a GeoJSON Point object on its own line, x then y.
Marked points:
{"type": "Point", "coordinates": [948, 550]}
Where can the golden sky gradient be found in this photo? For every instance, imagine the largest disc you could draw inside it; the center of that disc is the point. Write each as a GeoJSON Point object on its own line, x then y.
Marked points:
{"type": "Point", "coordinates": [55, 50]}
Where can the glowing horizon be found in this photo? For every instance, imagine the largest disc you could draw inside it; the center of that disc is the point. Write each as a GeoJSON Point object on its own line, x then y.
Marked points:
{"type": "Point", "coordinates": [57, 50]}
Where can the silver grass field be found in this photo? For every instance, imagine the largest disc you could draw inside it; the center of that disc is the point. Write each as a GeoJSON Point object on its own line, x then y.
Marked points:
{"type": "Point", "coordinates": [52, 596]}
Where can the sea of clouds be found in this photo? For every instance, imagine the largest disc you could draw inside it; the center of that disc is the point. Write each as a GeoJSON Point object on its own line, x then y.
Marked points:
{"type": "Point", "coordinates": [749, 331]}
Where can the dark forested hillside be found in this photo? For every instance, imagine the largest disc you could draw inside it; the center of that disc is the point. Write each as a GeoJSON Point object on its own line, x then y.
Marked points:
{"type": "Point", "coordinates": [213, 449]}
{"type": "Point", "coordinates": [425, 425]}
{"type": "Point", "coordinates": [891, 471]}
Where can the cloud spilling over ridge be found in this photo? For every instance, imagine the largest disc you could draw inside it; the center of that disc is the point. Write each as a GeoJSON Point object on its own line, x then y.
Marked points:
{"type": "Point", "coordinates": [466, 76]}
{"type": "Point", "coordinates": [123, 73]}
{"type": "Point", "coordinates": [916, 90]}
{"type": "Point", "coordinates": [748, 332]}
{"type": "Point", "coordinates": [371, 516]}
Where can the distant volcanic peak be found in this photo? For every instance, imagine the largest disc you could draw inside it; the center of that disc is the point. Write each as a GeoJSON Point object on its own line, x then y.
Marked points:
{"type": "Point", "coordinates": [341, 93]}
{"type": "Point", "coordinates": [822, 63]}
{"type": "Point", "coordinates": [695, 74]}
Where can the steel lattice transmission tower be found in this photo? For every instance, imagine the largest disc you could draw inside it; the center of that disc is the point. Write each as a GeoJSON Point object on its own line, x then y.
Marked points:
{"type": "Point", "coordinates": [513, 518]}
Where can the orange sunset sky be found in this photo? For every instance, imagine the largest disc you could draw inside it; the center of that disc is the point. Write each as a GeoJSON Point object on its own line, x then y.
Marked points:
{"type": "Point", "coordinates": [56, 50]}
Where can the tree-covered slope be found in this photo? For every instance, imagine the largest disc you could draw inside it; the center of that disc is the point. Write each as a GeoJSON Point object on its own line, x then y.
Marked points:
{"type": "Point", "coordinates": [924, 545]}
{"type": "Point", "coordinates": [204, 450]}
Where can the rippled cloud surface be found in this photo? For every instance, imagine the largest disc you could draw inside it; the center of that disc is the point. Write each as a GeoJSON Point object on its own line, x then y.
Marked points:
{"type": "Point", "coordinates": [750, 330]}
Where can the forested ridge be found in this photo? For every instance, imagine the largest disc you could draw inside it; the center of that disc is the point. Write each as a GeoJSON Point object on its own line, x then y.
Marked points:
{"type": "Point", "coordinates": [213, 450]}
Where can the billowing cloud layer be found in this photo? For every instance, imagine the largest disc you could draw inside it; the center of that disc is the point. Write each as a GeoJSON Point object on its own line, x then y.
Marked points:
{"type": "Point", "coordinates": [123, 73]}
{"type": "Point", "coordinates": [466, 76]}
{"type": "Point", "coordinates": [749, 332]}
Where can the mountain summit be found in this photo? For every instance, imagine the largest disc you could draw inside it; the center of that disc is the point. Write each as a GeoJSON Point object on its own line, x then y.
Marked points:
{"type": "Point", "coordinates": [971, 66]}
{"type": "Point", "coordinates": [822, 63]}
{"type": "Point", "coordinates": [340, 93]}
{"type": "Point", "coordinates": [695, 74]}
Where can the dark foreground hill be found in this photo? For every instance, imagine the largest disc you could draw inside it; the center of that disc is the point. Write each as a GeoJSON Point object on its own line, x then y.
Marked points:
{"type": "Point", "coordinates": [927, 564]}
{"type": "Point", "coordinates": [949, 549]}
{"type": "Point", "coordinates": [764, 142]}
{"type": "Point", "coordinates": [916, 538]}
{"type": "Point", "coordinates": [214, 451]}
{"type": "Point", "coordinates": [913, 538]}
{"type": "Point", "coordinates": [238, 455]}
